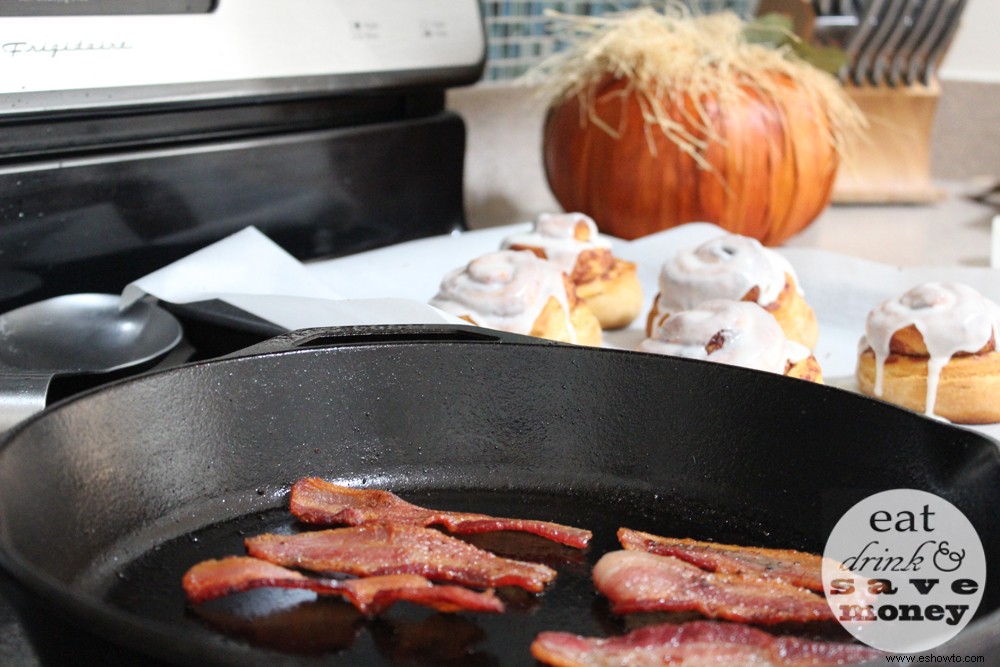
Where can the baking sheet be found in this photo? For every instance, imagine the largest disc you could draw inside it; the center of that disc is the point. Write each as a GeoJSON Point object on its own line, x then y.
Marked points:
{"type": "Point", "coordinates": [841, 289]}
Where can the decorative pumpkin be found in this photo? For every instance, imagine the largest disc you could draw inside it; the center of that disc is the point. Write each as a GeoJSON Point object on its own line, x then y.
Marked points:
{"type": "Point", "coordinates": [661, 120]}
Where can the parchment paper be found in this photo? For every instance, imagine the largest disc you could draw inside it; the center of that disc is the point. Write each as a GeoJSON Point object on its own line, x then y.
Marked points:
{"type": "Point", "coordinates": [251, 272]}
{"type": "Point", "coordinates": [393, 285]}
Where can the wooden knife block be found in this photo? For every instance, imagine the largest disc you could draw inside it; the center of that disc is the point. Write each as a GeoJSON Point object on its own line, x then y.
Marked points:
{"type": "Point", "coordinates": [890, 162]}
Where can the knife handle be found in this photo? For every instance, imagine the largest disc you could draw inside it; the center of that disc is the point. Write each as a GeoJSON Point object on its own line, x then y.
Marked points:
{"type": "Point", "coordinates": [942, 43]}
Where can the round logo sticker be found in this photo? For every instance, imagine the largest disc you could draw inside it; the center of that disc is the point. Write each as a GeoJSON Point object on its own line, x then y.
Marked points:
{"type": "Point", "coordinates": [904, 571]}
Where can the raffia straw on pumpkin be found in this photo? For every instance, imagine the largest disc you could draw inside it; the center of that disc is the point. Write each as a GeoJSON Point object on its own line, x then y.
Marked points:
{"type": "Point", "coordinates": [667, 56]}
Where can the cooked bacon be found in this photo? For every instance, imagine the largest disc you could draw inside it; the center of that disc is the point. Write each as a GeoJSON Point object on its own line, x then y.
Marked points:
{"type": "Point", "coordinates": [212, 579]}
{"type": "Point", "coordinates": [793, 567]}
{"type": "Point", "coordinates": [695, 643]}
{"type": "Point", "coordinates": [636, 581]}
{"type": "Point", "coordinates": [376, 549]}
{"type": "Point", "coordinates": [320, 502]}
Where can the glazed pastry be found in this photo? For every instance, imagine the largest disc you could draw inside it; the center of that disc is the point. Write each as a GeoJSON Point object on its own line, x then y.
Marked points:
{"type": "Point", "coordinates": [516, 291]}
{"type": "Point", "coordinates": [609, 285]}
{"type": "Point", "coordinates": [738, 333]}
{"type": "Point", "coordinates": [933, 350]}
{"type": "Point", "coordinates": [736, 268]}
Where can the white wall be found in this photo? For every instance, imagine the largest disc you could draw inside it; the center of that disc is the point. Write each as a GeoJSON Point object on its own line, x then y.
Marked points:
{"type": "Point", "coordinates": [975, 54]}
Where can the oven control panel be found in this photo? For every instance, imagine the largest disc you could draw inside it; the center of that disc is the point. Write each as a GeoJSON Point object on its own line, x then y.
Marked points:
{"type": "Point", "coordinates": [81, 54]}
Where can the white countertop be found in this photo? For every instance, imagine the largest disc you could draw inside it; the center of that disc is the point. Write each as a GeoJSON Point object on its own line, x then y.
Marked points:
{"type": "Point", "coordinates": [952, 232]}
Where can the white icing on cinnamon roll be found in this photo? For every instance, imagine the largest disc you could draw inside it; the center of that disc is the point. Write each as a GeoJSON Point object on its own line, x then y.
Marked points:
{"type": "Point", "coordinates": [504, 290]}
{"type": "Point", "coordinates": [727, 267]}
{"type": "Point", "coordinates": [951, 318]}
{"type": "Point", "coordinates": [562, 237]}
{"type": "Point", "coordinates": [738, 333]}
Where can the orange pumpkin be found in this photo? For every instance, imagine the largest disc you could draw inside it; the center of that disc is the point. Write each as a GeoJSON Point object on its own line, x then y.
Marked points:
{"type": "Point", "coordinates": [767, 165]}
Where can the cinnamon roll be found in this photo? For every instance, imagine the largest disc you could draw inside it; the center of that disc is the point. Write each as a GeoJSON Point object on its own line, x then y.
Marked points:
{"type": "Point", "coordinates": [736, 268]}
{"type": "Point", "coordinates": [516, 291]}
{"type": "Point", "coordinates": [933, 350]}
{"type": "Point", "coordinates": [738, 333]}
{"type": "Point", "coordinates": [609, 285]}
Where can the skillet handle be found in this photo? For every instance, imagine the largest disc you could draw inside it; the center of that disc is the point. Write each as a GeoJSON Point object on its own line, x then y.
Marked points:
{"type": "Point", "coordinates": [387, 334]}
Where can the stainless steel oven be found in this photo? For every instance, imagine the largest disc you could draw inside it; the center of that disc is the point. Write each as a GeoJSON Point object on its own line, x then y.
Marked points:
{"type": "Point", "coordinates": [133, 132]}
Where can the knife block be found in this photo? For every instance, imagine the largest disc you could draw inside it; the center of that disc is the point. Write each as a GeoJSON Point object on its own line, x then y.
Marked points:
{"type": "Point", "coordinates": [890, 161]}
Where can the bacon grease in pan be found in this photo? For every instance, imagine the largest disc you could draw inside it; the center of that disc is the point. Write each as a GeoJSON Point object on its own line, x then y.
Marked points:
{"type": "Point", "coordinates": [695, 643]}
{"type": "Point", "coordinates": [637, 581]}
{"type": "Point", "coordinates": [213, 579]}
{"type": "Point", "coordinates": [377, 549]}
{"type": "Point", "coordinates": [316, 501]}
{"type": "Point", "coordinates": [793, 567]}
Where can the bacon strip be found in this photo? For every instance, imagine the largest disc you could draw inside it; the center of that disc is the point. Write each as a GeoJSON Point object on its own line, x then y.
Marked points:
{"type": "Point", "coordinates": [213, 579]}
{"type": "Point", "coordinates": [317, 501]}
{"type": "Point", "coordinates": [636, 581]}
{"type": "Point", "coordinates": [697, 642]}
{"type": "Point", "coordinates": [793, 567]}
{"type": "Point", "coordinates": [376, 549]}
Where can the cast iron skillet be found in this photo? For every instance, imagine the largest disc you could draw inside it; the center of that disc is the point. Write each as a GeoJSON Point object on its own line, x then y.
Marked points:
{"type": "Point", "coordinates": [106, 499]}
